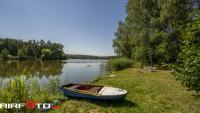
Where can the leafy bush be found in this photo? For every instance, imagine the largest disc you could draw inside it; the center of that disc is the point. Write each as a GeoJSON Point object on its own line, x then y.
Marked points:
{"type": "Point", "coordinates": [118, 64]}
{"type": "Point", "coordinates": [188, 66]}
{"type": "Point", "coordinates": [4, 53]}
{"type": "Point", "coordinates": [46, 54]}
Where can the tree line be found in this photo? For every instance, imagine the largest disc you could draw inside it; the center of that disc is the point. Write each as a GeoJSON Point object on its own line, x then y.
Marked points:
{"type": "Point", "coordinates": [78, 56]}
{"type": "Point", "coordinates": [31, 49]}
{"type": "Point", "coordinates": [157, 32]}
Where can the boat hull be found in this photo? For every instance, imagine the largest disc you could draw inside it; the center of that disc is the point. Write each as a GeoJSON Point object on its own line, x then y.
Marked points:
{"type": "Point", "coordinates": [70, 93]}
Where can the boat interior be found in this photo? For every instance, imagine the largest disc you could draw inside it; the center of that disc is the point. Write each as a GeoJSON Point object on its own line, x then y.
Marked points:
{"type": "Point", "coordinates": [81, 87]}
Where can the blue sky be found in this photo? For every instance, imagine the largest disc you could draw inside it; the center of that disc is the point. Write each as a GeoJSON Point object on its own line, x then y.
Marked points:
{"type": "Point", "coordinates": [82, 26]}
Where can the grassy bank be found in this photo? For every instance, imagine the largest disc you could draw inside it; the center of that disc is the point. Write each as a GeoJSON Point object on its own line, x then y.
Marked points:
{"type": "Point", "coordinates": [149, 92]}
{"type": "Point", "coordinates": [19, 90]}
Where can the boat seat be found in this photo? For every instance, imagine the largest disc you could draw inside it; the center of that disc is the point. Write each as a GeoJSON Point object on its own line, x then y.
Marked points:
{"type": "Point", "coordinates": [74, 86]}
{"type": "Point", "coordinates": [94, 89]}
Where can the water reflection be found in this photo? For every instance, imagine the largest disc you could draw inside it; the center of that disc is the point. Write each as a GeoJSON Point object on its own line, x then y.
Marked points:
{"type": "Point", "coordinates": [30, 68]}
{"type": "Point", "coordinates": [71, 71]}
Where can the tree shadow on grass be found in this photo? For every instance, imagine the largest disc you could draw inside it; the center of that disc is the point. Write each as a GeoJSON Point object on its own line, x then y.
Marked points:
{"type": "Point", "coordinates": [139, 71]}
{"type": "Point", "coordinates": [197, 96]}
{"type": "Point", "coordinates": [116, 103]}
{"type": "Point", "coordinates": [108, 103]}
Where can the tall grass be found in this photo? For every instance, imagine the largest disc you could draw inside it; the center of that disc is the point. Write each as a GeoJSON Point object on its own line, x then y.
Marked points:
{"type": "Point", "coordinates": [119, 64]}
{"type": "Point", "coordinates": [18, 90]}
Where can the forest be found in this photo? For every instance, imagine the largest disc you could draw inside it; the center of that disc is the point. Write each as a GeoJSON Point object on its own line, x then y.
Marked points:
{"type": "Point", "coordinates": [79, 56]}
{"type": "Point", "coordinates": [157, 32]}
{"type": "Point", "coordinates": [31, 49]}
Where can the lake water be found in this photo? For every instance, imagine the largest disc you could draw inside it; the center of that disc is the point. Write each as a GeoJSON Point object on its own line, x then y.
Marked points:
{"type": "Point", "coordinates": [68, 71]}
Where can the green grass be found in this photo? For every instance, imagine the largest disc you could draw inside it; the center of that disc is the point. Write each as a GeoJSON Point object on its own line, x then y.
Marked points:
{"type": "Point", "coordinates": [148, 92]}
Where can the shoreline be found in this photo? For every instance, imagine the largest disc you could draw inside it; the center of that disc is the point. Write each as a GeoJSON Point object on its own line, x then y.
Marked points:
{"type": "Point", "coordinates": [147, 92]}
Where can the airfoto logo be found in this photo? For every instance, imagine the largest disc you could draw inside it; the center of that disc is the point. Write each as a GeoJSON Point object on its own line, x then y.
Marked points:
{"type": "Point", "coordinates": [28, 105]}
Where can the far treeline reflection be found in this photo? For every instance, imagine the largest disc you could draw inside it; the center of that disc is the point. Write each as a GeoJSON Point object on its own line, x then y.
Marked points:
{"type": "Point", "coordinates": [9, 68]}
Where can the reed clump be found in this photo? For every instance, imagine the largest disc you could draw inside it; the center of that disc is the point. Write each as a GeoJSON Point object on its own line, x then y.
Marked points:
{"type": "Point", "coordinates": [19, 90]}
